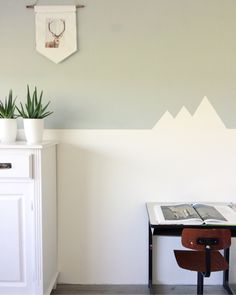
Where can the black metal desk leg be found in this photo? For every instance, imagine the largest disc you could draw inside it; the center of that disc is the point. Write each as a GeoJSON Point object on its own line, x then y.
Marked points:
{"type": "Point", "coordinates": [226, 274]}
{"type": "Point", "coordinates": [149, 256]}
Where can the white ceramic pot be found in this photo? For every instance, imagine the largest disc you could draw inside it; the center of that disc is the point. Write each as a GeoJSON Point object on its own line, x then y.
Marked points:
{"type": "Point", "coordinates": [33, 130]}
{"type": "Point", "coordinates": [8, 130]}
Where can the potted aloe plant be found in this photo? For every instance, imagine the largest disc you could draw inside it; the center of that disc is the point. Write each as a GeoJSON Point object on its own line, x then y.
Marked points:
{"type": "Point", "coordinates": [33, 114]}
{"type": "Point", "coordinates": [8, 124]}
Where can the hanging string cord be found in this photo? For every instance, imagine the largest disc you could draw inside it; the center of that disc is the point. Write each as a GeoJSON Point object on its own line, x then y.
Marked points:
{"type": "Point", "coordinates": [32, 5]}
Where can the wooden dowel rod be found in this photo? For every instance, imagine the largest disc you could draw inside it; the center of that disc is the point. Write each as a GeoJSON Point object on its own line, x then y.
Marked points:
{"type": "Point", "coordinates": [77, 6]}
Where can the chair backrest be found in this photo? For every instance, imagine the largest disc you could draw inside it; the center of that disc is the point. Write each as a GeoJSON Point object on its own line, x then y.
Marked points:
{"type": "Point", "coordinates": [195, 238]}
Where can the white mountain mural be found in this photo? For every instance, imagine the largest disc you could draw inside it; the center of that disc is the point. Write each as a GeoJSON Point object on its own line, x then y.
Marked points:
{"type": "Point", "coordinates": [205, 117]}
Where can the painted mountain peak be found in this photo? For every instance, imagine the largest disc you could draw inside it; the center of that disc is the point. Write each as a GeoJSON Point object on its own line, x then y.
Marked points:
{"type": "Point", "coordinates": [205, 117]}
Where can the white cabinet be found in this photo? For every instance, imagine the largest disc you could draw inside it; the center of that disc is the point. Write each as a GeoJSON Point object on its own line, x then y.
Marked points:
{"type": "Point", "coordinates": [16, 243]}
{"type": "Point", "coordinates": [28, 219]}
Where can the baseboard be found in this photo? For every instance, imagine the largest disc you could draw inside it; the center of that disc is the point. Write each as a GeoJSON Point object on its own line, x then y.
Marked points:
{"type": "Point", "coordinates": [52, 285]}
{"type": "Point", "coordinates": [104, 289]}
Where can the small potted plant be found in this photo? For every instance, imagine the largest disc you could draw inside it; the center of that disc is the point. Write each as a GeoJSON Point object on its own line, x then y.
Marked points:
{"type": "Point", "coordinates": [33, 114]}
{"type": "Point", "coordinates": [8, 124]}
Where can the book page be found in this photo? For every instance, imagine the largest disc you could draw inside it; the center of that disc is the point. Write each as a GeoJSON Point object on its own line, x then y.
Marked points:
{"type": "Point", "coordinates": [209, 213]}
{"type": "Point", "coordinates": [177, 214]}
{"type": "Point", "coordinates": [227, 212]}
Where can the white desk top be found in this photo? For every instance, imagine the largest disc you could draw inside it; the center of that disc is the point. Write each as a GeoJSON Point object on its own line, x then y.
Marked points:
{"type": "Point", "coordinates": [151, 208]}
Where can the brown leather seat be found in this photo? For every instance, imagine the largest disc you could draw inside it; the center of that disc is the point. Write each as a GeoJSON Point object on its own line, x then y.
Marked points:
{"type": "Point", "coordinates": [205, 258]}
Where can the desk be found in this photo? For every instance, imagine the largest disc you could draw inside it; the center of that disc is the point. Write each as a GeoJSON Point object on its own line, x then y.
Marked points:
{"type": "Point", "coordinates": [175, 230]}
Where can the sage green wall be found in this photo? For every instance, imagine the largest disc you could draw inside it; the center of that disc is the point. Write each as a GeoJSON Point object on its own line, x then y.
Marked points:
{"type": "Point", "coordinates": [137, 59]}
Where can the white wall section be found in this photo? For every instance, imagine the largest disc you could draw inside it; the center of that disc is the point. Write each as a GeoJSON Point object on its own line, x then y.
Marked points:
{"type": "Point", "coordinates": [106, 176]}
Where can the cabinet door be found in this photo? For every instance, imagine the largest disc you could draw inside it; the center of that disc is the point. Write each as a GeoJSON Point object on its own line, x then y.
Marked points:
{"type": "Point", "coordinates": [16, 239]}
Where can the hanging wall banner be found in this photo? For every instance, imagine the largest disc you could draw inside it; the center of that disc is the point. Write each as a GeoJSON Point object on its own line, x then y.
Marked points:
{"type": "Point", "coordinates": [56, 36]}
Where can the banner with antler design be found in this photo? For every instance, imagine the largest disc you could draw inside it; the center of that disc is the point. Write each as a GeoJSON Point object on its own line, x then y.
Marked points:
{"type": "Point", "coordinates": [56, 36]}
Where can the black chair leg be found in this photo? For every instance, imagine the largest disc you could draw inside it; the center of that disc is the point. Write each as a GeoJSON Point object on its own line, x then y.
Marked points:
{"type": "Point", "coordinates": [199, 283]}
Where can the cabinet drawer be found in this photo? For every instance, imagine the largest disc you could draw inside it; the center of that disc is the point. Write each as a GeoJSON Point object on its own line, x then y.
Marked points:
{"type": "Point", "coordinates": [15, 166]}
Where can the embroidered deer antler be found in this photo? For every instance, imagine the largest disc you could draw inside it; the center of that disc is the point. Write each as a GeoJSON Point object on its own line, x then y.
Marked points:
{"type": "Point", "coordinates": [56, 42]}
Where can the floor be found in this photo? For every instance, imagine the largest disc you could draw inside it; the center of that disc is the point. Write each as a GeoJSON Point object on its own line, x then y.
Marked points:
{"type": "Point", "coordinates": [65, 289]}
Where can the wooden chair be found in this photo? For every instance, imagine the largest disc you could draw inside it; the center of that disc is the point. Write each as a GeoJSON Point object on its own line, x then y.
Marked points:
{"type": "Point", "coordinates": [205, 258]}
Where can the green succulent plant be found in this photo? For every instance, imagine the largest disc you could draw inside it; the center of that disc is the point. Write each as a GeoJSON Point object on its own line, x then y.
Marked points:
{"type": "Point", "coordinates": [8, 107]}
{"type": "Point", "coordinates": [34, 108]}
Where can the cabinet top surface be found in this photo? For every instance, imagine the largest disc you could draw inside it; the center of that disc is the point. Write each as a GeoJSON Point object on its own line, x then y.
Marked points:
{"type": "Point", "coordinates": [25, 145]}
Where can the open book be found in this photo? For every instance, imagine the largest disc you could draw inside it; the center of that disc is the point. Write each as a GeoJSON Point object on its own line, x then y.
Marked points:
{"type": "Point", "coordinates": [195, 214]}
